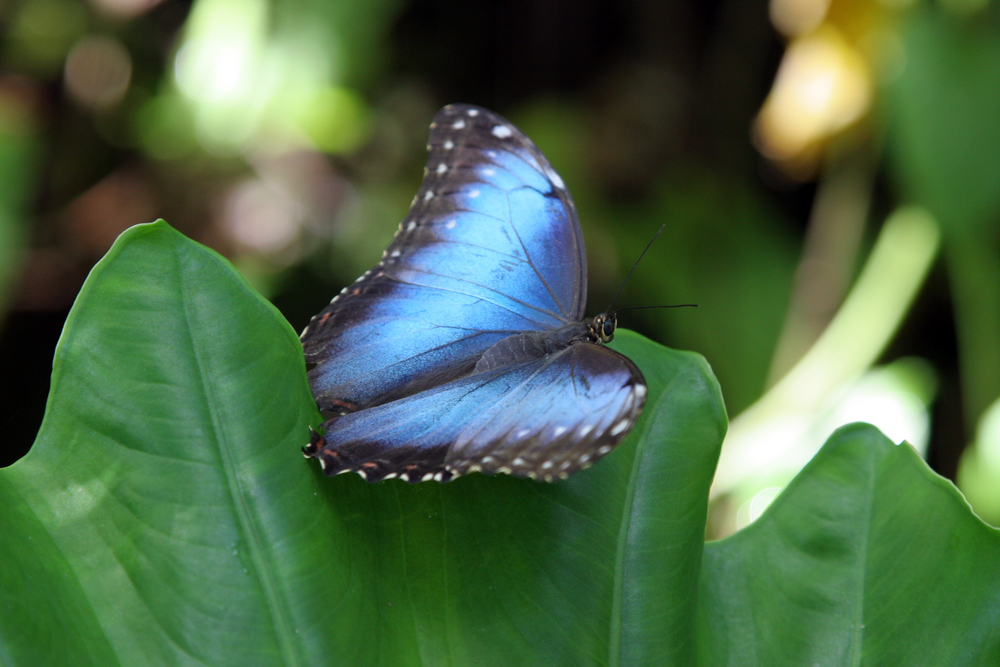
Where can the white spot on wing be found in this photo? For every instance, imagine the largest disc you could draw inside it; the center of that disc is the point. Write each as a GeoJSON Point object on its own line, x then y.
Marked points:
{"type": "Point", "coordinates": [502, 132]}
{"type": "Point", "coordinates": [604, 450]}
{"type": "Point", "coordinates": [519, 461]}
{"type": "Point", "coordinates": [473, 112]}
{"type": "Point", "coordinates": [619, 427]}
{"type": "Point", "coordinates": [410, 227]}
{"type": "Point", "coordinates": [441, 168]}
{"type": "Point", "coordinates": [448, 145]}
{"type": "Point", "coordinates": [428, 195]}
{"type": "Point", "coordinates": [554, 177]}
{"type": "Point", "coordinates": [489, 172]}
{"type": "Point", "coordinates": [458, 124]}
{"type": "Point", "coordinates": [559, 431]}
{"type": "Point", "coordinates": [640, 390]}
{"type": "Point", "coordinates": [451, 224]}
{"type": "Point", "coordinates": [586, 429]}
{"type": "Point", "coordinates": [429, 476]}
{"type": "Point", "coordinates": [395, 253]}
{"type": "Point", "coordinates": [473, 194]}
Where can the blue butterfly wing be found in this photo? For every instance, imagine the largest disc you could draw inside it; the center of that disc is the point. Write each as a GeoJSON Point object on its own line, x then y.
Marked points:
{"type": "Point", "coordinates": [491, 247]}
{"type": "Point", "coordinates": [545, 418]}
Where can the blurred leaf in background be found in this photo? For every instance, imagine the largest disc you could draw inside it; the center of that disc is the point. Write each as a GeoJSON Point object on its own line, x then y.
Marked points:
{"type": "Point", "coordinates": [945, 140]}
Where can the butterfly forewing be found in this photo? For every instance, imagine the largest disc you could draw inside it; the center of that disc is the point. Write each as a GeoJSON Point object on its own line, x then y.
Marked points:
{"type": "Point", "coordinates": [491, 247]}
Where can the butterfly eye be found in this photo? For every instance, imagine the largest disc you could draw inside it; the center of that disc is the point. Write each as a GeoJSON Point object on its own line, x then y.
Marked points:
{"type": "Point", "coordinates": [605, 329]}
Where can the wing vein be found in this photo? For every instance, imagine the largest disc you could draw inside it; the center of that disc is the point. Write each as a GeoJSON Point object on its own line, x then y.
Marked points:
{"type": "Point", "coordinates": [534, 268]}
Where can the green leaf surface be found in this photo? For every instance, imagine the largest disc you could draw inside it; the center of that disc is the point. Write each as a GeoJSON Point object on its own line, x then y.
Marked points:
{"type": "Point", "coordinates": [166, 516]}
{"type": "Point", "coordinates": [867, 558]}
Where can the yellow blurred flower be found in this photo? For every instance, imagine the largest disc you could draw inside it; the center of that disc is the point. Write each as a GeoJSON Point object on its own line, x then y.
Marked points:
{"type": "Point", "coordinates": [823, 85]}
{"type": "Point", "coordinates": [837, 52]}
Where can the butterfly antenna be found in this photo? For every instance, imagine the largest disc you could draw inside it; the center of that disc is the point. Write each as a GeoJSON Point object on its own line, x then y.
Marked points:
{"type": "Point", "coordinates": [622, 286]}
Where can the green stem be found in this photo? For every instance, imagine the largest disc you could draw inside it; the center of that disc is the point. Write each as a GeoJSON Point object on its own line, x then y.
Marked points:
{"type": "Point", "coordinates": [829, 256]}
{"type": "Point", "coordinates": [974, 271]}
{"type": "Point", "coordinates": [767, 436]}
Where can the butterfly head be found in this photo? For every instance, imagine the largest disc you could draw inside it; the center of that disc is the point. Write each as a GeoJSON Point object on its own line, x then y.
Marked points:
{"type": "Point", "coordinates": [602, 328]}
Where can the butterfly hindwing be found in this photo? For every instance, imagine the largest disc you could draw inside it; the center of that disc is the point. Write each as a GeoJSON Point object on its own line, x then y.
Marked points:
{"type": "Point", "coordinates": [545, 418]}
{"type": "Point", "coordinates": [491, 247]}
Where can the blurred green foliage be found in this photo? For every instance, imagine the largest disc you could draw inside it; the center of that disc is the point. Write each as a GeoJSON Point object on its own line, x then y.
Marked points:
{"type": "Point", "coordinates": [944, 131]}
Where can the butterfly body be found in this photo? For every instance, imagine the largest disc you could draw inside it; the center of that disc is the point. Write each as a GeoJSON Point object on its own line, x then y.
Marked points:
{"type": "Point", "coordinates": [464, 349]}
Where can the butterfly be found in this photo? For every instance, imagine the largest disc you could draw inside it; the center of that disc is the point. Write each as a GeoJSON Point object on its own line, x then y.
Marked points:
{"type": "Point", "coordinates": [464, 349]}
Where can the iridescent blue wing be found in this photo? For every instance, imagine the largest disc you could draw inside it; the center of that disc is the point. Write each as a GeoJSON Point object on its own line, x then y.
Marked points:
{"type": "Point", "coordinates": [544, 419]}
{"type": "Point", "coordinates": [491, 247]}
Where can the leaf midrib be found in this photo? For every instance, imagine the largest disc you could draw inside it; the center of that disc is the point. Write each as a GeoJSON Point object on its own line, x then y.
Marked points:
{"type": "Point", "coordinates": [858, 635]}
{"type": "Point", "coordinates": [625, 526]}
{"type": "Point", "coordinates": [244, 515]}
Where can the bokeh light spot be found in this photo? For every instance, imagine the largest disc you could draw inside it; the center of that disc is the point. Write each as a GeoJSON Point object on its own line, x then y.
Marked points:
{"type": "Point", "coordinates": [262, 219]}
{"type": "Point", "coordinates": [222, 50]}
{"type": "Point", "coordinates": [335, 120]}
{"type": "Point", "coordinates": [165, 128]}
{"type": "Point", "coordinates": [797, 17]}
{"type": "Point", "coordinates": [97, 72]}
{"type": "Point", "coordinates": [125, 9]}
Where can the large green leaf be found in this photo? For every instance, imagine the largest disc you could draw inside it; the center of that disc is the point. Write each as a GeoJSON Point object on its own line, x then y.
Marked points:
{"type": "Point", "coordinates": [165, 516]}
{"type": "Point", "coordinates": [867, 558]}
